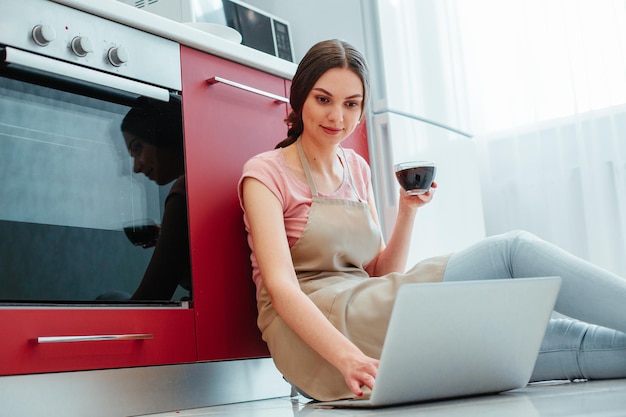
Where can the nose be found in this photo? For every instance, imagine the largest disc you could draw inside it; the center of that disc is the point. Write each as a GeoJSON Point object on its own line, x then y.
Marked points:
{"type": "Point", "coordinates": [335, 113]}
{"type": "Point", "coordinates": [137, 165]}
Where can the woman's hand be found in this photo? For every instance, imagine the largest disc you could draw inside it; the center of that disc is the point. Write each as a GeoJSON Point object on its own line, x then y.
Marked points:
{"type": "Point", "coordinates": [358, 372]}
{"type": "Point", "coordinates": [152, 243]}
{"type": "Point", "coordinates": [393, 256]}
{"type": "Point", "coordinates": [419, 200]}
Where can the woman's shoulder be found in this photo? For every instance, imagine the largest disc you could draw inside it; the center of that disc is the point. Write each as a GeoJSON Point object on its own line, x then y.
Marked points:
{"type": "Point", "coordinates": [270, 168]}
{"type": "Point", "coordinates": [267, 161]}
{"type": "Point", "coordinates": [178, 187]}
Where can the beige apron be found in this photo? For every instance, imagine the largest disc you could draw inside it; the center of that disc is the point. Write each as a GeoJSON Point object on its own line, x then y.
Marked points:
{"type": "Point", "coordinates": [340, 238]}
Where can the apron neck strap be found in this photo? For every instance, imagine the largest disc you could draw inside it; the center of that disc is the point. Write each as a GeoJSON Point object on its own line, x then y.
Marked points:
{"type": "Point", "coordinates": [350, 179]}
{"type": "Point", "coordinates": [309, 177]}
{"type": "Point", "coordinates": [307, 169]}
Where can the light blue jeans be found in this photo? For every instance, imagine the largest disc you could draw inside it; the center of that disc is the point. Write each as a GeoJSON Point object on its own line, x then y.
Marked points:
{"type": "Point", "coordinates": [591, 345]}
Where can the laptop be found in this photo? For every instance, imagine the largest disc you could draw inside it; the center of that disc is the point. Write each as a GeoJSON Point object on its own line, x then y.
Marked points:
{"type": "Point", "coordinates": [458, 339]}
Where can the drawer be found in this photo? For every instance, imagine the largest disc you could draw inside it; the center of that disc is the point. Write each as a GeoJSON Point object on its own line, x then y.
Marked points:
{"type": "Point", "coordinates": [35, 340]}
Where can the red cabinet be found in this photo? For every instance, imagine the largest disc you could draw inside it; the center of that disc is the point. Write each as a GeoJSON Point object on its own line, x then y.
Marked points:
{"type": "Point", "coordinates": [226, 123]}
{"type": "Point", "coordinates": [36, 340]}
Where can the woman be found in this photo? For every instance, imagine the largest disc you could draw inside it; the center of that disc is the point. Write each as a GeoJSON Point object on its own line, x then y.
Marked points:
{"type": "Point", "coordinates": [153, 135]}
{"type": "Point", "coordinates": [326, 281]}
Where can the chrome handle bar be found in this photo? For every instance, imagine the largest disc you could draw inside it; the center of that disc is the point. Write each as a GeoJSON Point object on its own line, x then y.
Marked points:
{"type": "Point", "coordinates": [93, 338]}
{"type": "Point", "coordinates": [215, 80]}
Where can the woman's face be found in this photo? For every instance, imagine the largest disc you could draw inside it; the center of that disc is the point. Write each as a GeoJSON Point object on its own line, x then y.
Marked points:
{"type": "Point", "coordinates": [334, 106]}
{"type": "Point", "coordinates": [150, 160]}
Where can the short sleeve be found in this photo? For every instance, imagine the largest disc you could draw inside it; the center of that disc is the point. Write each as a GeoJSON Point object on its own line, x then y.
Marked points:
{"type": "Point", "coordinates": [265, 168]}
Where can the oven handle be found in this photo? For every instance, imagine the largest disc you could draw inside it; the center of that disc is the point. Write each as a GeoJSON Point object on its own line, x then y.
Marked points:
{"type": "Point", "coordinates": [27, 59]}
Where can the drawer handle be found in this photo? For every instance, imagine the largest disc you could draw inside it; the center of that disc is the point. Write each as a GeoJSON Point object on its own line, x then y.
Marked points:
{"type": "Point", "coordinates": [215, 80]}
{"type": "Point", "coordinates": [93, 338]}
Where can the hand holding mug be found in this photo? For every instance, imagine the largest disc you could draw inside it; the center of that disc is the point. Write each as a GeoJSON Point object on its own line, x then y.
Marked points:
{"type": "Point", "coordinates": [144, 232]}
{"type": "Point", "coordinates": [416, 177]}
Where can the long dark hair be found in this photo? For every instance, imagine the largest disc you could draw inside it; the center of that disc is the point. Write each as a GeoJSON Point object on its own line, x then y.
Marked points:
{"type": "Point", "coordinates": [322, 56]}
{"type": "Point", "coordinates": [156, 122]}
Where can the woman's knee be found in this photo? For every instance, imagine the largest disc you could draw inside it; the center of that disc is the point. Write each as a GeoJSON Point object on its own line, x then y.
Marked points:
{"type": "Point", "coordinates": [517, 241]}
{"type": "Point", "coordinates": [519, 235]}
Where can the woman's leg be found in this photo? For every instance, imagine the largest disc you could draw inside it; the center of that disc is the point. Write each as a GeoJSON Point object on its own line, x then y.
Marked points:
{"type": "Point", "coordinates": [571, 349]}
{"type": "Point", "coordinates": [588, 292]}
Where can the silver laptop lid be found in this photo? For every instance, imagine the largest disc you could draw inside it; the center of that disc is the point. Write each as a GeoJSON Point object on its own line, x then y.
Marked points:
{"type": "Point", "coordinates": [463, 338]}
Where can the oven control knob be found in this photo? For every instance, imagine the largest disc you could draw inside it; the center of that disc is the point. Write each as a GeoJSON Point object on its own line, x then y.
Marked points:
{"type": "Point", "coordinates": [118, 55]}
{"type": "Point", "coordinates": [43, 34]}
{"type": "Point", "coordinates": [81, 46]}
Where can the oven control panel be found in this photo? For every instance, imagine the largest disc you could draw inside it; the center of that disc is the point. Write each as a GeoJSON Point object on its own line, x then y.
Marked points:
{"type": "Point", "coordinates": [71, 35]}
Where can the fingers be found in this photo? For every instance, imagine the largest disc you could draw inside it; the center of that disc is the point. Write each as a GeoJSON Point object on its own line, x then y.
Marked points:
{"type": "Point", "coordinates": [417, 200]}
{"type": "Point", "coordinates": [368, 381]}
{"type": "Point", "coordinates": [365, 376]}
{"type": "Point", "coordinates": [430, 191]}
{"type": "Point", "coordinates": [149, 244]}
{"type": "Point", "coordinates": [356, 385]}
{"type": "Point", "coordinates": [356, 388]}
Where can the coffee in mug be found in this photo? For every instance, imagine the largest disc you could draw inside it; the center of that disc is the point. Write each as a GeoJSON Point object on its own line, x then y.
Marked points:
{"type": "Point", "coordinates": [142, 232]}
{"type": "Point", "coordinates": [415, 177]}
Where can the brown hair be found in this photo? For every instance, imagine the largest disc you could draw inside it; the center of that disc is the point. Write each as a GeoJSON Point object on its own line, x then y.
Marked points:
{"type": "Point", "coordinates": [322, 56]}
{"type": "Point", "coordinates": [156, 122]}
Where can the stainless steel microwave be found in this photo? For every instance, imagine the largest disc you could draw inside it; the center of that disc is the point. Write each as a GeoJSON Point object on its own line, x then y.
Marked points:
{"type": "Point", "coordinates": [259, 30]}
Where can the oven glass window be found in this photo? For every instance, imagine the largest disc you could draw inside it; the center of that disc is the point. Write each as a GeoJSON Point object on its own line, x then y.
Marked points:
{"type": "Point", "coordinates": [93, 198]}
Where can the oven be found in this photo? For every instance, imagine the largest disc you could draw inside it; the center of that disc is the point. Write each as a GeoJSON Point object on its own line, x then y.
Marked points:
{"type": "Point", "coordinates": [74, 199]}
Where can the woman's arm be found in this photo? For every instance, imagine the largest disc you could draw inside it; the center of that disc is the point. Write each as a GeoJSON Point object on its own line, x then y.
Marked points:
{"type": "Point", "coordinates": [170, 258]}
{"type": "Point", "coordinates": [393, 256]}
{"type": "Point", "coordinates": [267, 230]}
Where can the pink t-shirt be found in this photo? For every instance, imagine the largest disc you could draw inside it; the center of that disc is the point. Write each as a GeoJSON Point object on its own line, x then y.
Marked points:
{"type": "Point", "coordinates": [295, 196]}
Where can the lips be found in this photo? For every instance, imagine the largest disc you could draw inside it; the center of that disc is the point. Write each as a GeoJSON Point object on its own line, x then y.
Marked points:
{"type": "Point", "coordinates": [331, 130]}
{"type": "Point", "coordinates": [149, 174]}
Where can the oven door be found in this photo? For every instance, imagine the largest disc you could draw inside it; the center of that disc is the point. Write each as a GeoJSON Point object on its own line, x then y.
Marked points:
{"type": "Point", "coordinates": [71, 187]}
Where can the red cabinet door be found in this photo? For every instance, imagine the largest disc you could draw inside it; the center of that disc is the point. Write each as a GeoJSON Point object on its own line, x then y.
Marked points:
{"type": "Point", "coordinates": [224, 126]}
{"type": "Point", "coordinates": [35, 340]}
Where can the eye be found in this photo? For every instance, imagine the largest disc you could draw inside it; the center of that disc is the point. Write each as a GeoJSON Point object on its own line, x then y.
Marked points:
{"type": "Point", "coordinates": [135, 149]}
{"type": "Point", "coordinates": [353, 104]}
{"type": "Point", "coordinates": [322, 99]}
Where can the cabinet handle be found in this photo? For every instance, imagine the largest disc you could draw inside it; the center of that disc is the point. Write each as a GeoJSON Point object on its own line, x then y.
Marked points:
{"type": "Point", "coordinates": [93, 338]}
{"type": "Point", "coordinates": [215, 80]}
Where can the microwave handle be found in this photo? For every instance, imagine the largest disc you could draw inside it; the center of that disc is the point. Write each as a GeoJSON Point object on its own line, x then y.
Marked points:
{"type": "Point", "coordinates": [215, 80]}
{"type": "Point", "coordinates": [18, 57]}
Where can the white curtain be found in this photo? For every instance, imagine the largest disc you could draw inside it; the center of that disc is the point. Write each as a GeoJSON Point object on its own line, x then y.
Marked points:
{"type": "Point", "coordinates": [541, 85]}
{"type": "Point", "coordinates": [546, 88]}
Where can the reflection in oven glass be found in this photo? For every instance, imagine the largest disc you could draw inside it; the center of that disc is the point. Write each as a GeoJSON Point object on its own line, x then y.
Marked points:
{"type": "Point", "coordinates": [75, 171]}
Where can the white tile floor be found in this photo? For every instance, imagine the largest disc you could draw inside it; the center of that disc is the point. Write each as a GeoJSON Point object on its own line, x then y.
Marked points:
{"type": "Point", "coordinates": [589, 399]}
